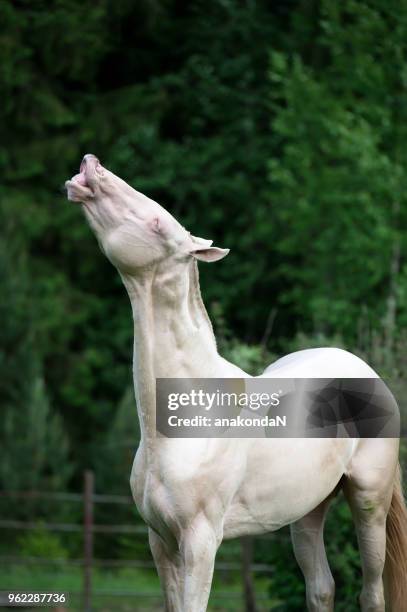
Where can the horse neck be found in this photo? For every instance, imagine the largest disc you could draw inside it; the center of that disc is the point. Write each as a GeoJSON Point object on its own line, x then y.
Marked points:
{"type": "Point", "coordinates": [173, 336]}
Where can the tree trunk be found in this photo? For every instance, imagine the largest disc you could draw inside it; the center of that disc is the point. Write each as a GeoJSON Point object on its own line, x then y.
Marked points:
{"type": "Point", "coordinates": [391, 304]}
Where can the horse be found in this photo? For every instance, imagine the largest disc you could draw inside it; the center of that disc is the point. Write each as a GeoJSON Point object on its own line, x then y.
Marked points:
{"type": "Point", "coordinates": [193, 493]}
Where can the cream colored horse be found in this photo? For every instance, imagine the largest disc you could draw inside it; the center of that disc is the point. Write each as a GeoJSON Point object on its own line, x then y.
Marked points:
{"type": "Point", "coordinates": [194, 493]}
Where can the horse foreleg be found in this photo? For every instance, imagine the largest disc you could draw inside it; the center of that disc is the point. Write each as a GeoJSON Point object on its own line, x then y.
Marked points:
{"type": "Point", "coordinates": [169, 572]}
{"type": "Point", "coordinates": [307, 536]}
{"type": "Point", "coordinates": [198, 549]}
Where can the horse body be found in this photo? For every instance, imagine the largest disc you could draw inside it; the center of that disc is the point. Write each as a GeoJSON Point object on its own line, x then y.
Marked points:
{"type": "Point", "coordinates": [194, 492]}
{"type": "Point", "coordinates": [259, 486]}
{"type": "Point", "coordinates": [247, 486]}
{"type": "Point", "coordinates": [274, 492]}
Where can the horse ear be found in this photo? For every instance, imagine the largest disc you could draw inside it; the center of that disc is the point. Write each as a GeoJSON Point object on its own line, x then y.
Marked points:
{"type": "Point", "coordinates": [201, 241]}
{"type": "Point", "coordinates": [209, 254]}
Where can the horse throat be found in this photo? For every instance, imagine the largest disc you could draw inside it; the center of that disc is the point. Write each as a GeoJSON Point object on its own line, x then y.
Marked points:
{"type": "Point", "coordinates": [173, 335]}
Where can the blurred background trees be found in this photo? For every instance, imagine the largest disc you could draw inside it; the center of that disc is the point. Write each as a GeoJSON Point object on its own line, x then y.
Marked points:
{"type": "Point", "coordinates": [276, 129]}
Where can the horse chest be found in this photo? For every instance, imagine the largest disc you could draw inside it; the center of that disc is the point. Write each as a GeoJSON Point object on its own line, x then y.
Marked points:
{"type": "Point", "coordinates": [152, 499]}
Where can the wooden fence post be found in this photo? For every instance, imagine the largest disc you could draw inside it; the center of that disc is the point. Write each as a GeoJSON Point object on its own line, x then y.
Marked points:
{"type": "Point", "coordinates": [88, 539]}
{"type": "Point", "coordinates": [248, 585]}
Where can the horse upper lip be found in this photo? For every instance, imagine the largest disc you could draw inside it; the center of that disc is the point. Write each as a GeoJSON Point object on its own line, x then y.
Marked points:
{"type": "Point", "coordinates": [84, 179]}
{"type": "Point", "coordinates": [88, 159]}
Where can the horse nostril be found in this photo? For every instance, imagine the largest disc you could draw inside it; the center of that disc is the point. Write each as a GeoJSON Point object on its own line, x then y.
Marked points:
{"type": "Point", "coordinates": [86, 158]}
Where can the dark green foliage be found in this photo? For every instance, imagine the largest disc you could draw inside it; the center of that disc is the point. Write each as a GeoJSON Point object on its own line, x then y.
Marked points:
{"type": "Point", "coordinates": [338, 172]}
{"type": "Point", "coordinates": [32, 438]}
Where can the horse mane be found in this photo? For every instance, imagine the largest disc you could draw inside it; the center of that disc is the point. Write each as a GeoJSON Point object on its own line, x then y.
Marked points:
{"type": "Point", "coordinates": [195, 297]}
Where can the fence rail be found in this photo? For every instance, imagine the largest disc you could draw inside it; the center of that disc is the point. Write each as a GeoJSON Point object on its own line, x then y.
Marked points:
{"type": "Point", "coordinates": [75, 497]}
{"type": "Point", "coordinates": [6, 524]}
{"type": "Point", "coordinates": [88, 499]}
{"type": "Point", "coordinates": [111, 563]}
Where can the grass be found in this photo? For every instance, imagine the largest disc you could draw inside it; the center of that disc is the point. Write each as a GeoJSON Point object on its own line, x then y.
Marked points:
{"type": "Point", "coordinates": [120, 590]}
